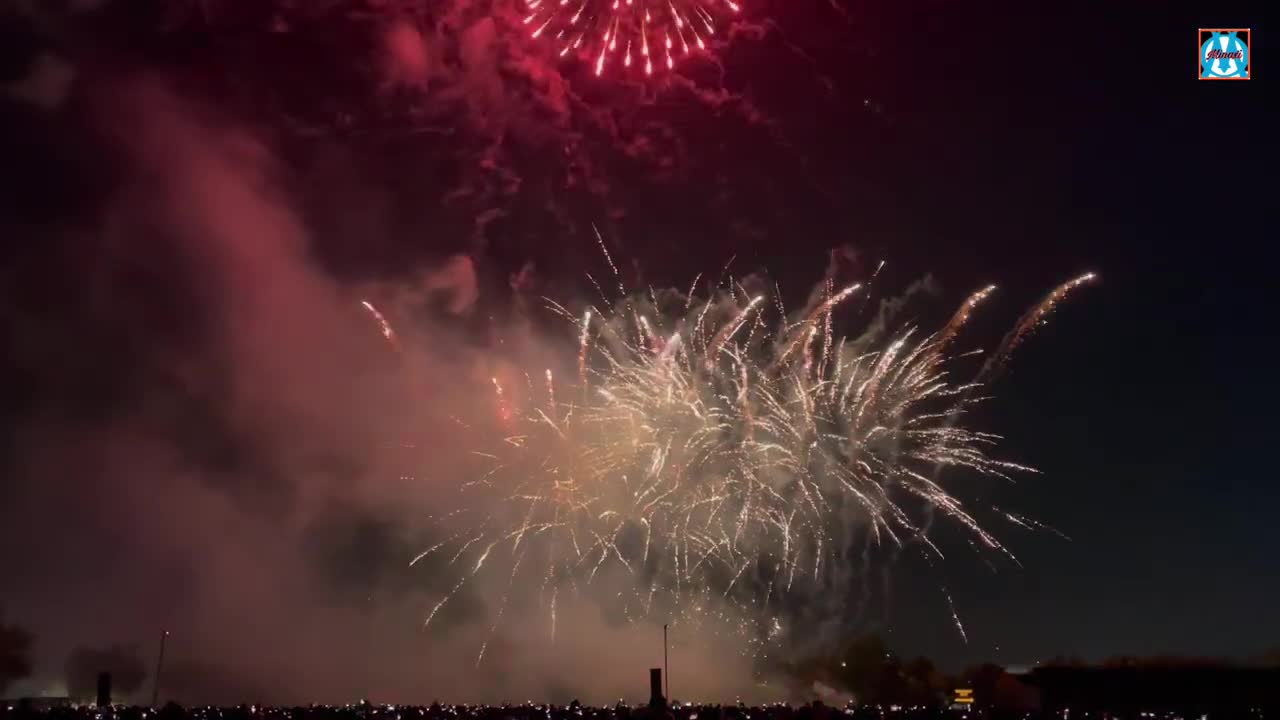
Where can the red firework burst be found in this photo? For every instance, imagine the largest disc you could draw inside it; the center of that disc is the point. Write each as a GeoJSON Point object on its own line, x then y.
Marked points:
{"type": "Point", "coordinates": [647, 34]}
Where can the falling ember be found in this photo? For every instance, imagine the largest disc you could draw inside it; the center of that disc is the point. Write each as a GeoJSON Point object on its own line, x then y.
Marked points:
{"type": "Point", "coordinates": [726, 469]}
{"type": "Point", "coordinates": [504, 410]}
{"type": "Point", "coordinates": [582, 349]}
{"type": "Point", "coordinates": [617, 26]}
{"type": "Point", "coordinates": [385, 326]}
{"type": "Point", "coordinates": [617, 275]}
{"type": "Point", "coordinates": [955, 617]}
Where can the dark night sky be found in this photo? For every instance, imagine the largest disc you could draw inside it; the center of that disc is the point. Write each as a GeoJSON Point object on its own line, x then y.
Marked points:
{"type": "Point", "coordinates": [1016, 143]}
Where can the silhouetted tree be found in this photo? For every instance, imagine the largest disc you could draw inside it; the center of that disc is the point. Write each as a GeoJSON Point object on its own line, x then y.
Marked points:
{"type": "Point", "coordinates": [1120, 661]}
{"type": "Point", "coordinates": [926, 681]}
{"type": "Point", "coordinates": [920, 669]}
{"type": "Point", "coordinates": [982, 679]}
{"type": "Point", "coordinates": [1063, 661]}
{"type": "Point", "coordinates": [1165, 661]}
{"type": "Point", "coordinates": [1012, 694]}
{"type": "Point", "coordinates": [15, 653]}
{"type": "Point", "coordinates": [894, 687]}
{"type": "Point", "coordinates": [862, 667]}
{"type": "Point", "coordinates": [123, 662]}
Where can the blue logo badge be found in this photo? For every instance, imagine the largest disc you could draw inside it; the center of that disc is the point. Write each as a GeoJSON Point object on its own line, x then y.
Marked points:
{"type": "Point", "coordinates": [1224, 54]}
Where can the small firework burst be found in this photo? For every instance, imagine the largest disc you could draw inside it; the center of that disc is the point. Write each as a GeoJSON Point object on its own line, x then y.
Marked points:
{"type": "Point", "coordinates": [647, 36]}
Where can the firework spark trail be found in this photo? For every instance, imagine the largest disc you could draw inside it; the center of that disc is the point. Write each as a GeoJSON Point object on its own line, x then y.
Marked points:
{"type": "Point", "coordinates": [609, 258]}
{"type": "Point", "coordinates": [804, 331]}
{"type": "Point", "coordinates": [728, 331]}
{"type": "Point", "coordinates": [955, 617]}
{"type": "Point", "coordinates": [696, 454]}
{"type": "Point", "coordinates": [1030, 322]}
{"type": "Point", "coordinates": [962, 315]}
{"type": "Point", "coordinates": [1027, 523]}
{"type": "Point", "coordinates": [583, 348]}
{"type": "Point", "coordinates": [502, 608]}
{"type": "Point", "coordinates": [650, 34]}
{"type": "Point", "coordinates": [387, 331]}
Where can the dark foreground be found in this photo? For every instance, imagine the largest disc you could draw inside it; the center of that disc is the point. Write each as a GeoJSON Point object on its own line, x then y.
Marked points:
{"type": "Point", "coordinates": [576, 712]}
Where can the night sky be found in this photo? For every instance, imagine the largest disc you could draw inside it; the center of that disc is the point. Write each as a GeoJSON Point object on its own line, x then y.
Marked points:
{"type": "Point", "coordinates": [1011, 143]}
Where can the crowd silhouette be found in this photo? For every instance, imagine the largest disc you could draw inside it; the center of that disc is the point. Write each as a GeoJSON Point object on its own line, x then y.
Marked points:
{"type": "Point", "coordinates": [811, 711]}
{"type": "Point", "coordinates": [864, 681]}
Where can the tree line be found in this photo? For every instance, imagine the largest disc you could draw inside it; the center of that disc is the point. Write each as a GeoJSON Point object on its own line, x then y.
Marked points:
{"type": "Point", "coordinates": [865, 669]}
{"type": "Point", "coordinates": [123, 662]}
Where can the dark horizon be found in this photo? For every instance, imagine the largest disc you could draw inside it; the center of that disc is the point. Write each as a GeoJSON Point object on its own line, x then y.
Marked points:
{"type": "Point", "coordinates": [198, 411]}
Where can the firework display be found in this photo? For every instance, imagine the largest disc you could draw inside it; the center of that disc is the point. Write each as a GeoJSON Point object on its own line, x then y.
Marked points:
{"type": "Point", "coordinates": [645, 35]}
{"type": "Point", "coordinates": [719, 455]}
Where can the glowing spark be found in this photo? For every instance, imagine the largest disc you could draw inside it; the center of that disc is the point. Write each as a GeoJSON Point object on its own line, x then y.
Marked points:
{"type": "Point", "coordinates": [385, 326]}
{"type": "Point", "coordinates": [955, 618]}
{"type": "Point", "coordinates": [582, 349]}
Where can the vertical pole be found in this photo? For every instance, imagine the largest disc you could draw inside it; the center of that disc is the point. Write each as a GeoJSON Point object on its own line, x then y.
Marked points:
{"type": "Point", "coordinates": [368, 676]}
{"type": "Point", "coordinates": [155, 683]}
{"type": "Point", "coordinates": [666, 670]}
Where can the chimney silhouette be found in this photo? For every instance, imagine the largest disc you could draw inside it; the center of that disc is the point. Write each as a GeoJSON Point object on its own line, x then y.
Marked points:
{"type": "Point", "coordinates": [104, 689]}
{"type": "Point", "coordinates": [656, 700]}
